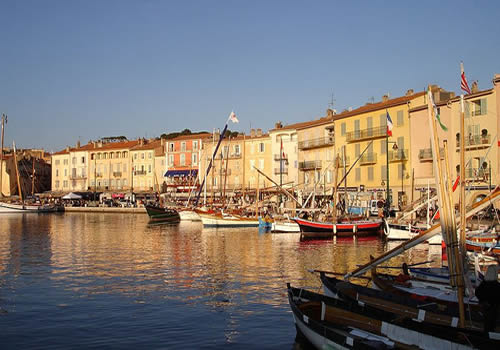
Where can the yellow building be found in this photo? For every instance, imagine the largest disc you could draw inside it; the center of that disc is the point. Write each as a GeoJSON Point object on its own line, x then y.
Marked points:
{"type": "Point", "coordinates": [481, 141]}
{"type": "Point", "coordinates": [365, 130]}
{"type": "Point", "coordinates": [316, 154]}
{"type": "Point", "coordinates": [284, 149]}
{"type": "Point", "coordinates": [258, 154]}
{"type": "Point", "coordinates": [144, 177]}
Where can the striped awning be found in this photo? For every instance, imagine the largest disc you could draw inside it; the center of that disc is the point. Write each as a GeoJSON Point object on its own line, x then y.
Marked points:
{"type": "Point", "coordinates": [172, 173]}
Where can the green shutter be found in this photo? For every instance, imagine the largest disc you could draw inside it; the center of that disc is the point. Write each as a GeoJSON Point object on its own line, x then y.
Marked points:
{"type": "Point", "coordinates": [484, 109]}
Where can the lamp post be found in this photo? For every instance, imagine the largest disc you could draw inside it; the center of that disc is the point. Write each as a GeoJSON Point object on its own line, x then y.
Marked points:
{"type": "Point", "coordinates": [394, 147]}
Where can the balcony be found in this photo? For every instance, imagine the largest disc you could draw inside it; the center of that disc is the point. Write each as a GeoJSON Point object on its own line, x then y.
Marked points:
{"type": "Point", "coordinates": [368, 158]}
{"type": "Point", "coordinates": [473, 142]}
{"type": "Point", "coordinates": [425, 154]}
{"type": "Point", "coordinates": [78, 177]}
{"type": "Point", "coordinates": [278, 171]}
{"type": "Point", "coordinates": [398, 155]}
{"type": "Point", "coordinates": [117, 173]}
{"type": "Point", "coordinates": [99, 175]}
{"type": "Point", "coordinates": [140, 172]}
{"type": "Point", "coordinates": [347, 161]}
{"type": "Point", "coordinates": [477, 173]}
{"type": "Point", "coordinates": [315, 143]}
{"type": "Point", "coordinates": [366, 134]}
{"type": "Point", "coordinates": [308, 165]}
{"type": "Point", "coordinates": [277, 157]}
{"type": "Point", "coordinates": [235, 155]}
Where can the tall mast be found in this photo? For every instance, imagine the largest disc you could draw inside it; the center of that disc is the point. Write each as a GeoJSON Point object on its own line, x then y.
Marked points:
{"type": "Point", "coordinates": [17, 172]}
{"type": "Point", "coordinates": [4, 120]}
{"type": "Point", "coordinates": [33, 178]}
{"type": "Point", "coordinates": [462, 177]}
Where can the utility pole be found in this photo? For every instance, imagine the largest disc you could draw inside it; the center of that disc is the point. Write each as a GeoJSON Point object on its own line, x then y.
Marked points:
{"type": "Point", "coordinates": [4, 121]}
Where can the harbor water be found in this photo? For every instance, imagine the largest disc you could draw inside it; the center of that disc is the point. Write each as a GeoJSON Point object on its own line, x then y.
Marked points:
{"type": "Point", "coordinates": [97, 280]}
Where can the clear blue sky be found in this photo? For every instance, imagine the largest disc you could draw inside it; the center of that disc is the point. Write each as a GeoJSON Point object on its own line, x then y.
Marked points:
{"type": "Point", "coordinates": [74, 70]}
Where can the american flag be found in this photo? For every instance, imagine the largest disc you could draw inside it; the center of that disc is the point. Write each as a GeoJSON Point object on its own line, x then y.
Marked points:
{"type": "Point", "coordinates": [463, 84]}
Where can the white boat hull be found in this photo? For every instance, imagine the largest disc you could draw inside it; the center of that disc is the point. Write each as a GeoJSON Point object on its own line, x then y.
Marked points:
{"type": "Point", "coordinates": [285, 227]}
{"type": "Point", "coordinates": [189, 215]}
{"type": "Point", "coordinates": [402, 233]}
{"type": "Point", "coordinates": [17, 208]}
{"type": "Point", "coordinates": [213, 221]}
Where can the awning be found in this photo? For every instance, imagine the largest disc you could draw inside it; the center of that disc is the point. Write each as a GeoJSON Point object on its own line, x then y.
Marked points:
{"type": "Point", "coordinates": [172, 173]}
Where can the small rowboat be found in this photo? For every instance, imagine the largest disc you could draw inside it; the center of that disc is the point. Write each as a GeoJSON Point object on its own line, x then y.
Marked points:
{"type": "Point", "coordinates": [162, 214]}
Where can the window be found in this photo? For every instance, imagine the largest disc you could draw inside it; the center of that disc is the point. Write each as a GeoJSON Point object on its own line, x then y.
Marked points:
{"type": "Point", "coordinates": [65, 161]}
{"type": "Point", "coordinates": [104, 156]}
{"type": "Point", "coordinates": [118, 154]}
{"type": "Point", "coordinates": [383, 172]}
{"type": "Point", "coordinates": [383, 120]}
{"type": "Point", "coordinates": [73, 160]}
{"type": "Point", "coordinates": [195, 145]}
{"type": "Point", "coordinates": [356, 128]}
{"type": "Point", "coordinates": [150, 155]}
{"type": "Point", "coordinates": [57, 183]}
{"type": "Point", "coordinates": [478, 107]}
{"type": "Point", "coordinates": [252, 164]}
{"type": "Point", "coordinates": [125, 154]}
{"type": "Point", "coordinates": [125, 182]}
{"type": "Point", "coordinates": [237, 180]}
{"type": "Point", "coordinates": [57, 172]}
{"type": "Point", "coordinates": [135, 156]}
{"type": "Point", "coordinates": [401, 143]}
{"type": "Point", "coordinates": [383, 146]}
{"type": "Point", "coordinates": [183, 146]}
{"type": "Point", "coordinates": [170, 147]}
{"type": "Point", "coordinates": [112, 183]}
{"type": "Point", "coordinates": [149, 168]}
{"type": "Point", "coordinates": [369, 125]}
{"type": "Point", "coordinates": [370, 173]}
{"type": "Point", "coordinates": [65, 172]}
{"type": "Point", "coordinates": [358, 174]}
{"type": "Point", "coordinates": [357, 150]}
{"type": "Point", "coordinates": [317, 176]}
{"type": "Point", "coordinates": [65, 184]}
{"type": "Point", "coordinates": [261, 164]}
{"type": "Point", "coordinates": [329, 176]}
{"type": "Point", "coordinates": [57, 162]}
{"type": "Point", "coordinates": [194, 159]}
{"type": "Point", "coordinates": [225, 152]}
{"type": "Point", "coordinates": [342, 129]}
{"type": "Point", "coordinates": [400, 118]}
{"type": "Point", "coordinates": [183, 159]}
{"type": "Point", "coordinates": [237, 150]}
{"type": "Point", "coordinates": [111, 155]}
{"type": "Point", "coordinates": [142, 155]}
{"type": "Point", "coordinates": [83, 160]}
{"type": "Point", "coordinates": [261, 147]}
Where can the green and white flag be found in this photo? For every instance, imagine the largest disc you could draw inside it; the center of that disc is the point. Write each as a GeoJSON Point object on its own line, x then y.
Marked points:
{"type": "Point", "coordinates": [429, 93]}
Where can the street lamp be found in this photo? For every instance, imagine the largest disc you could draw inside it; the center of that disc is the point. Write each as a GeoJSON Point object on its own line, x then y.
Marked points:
{"type": "Point", "coordinates": [387, 198]}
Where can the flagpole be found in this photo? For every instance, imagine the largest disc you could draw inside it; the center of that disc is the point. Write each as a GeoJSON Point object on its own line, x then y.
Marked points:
{"type": "Point", "coordinates": [387, 198]}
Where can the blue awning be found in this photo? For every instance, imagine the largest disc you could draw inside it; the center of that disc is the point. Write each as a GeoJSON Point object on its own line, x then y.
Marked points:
{"type": "Point", "coordinates": [172, 173]}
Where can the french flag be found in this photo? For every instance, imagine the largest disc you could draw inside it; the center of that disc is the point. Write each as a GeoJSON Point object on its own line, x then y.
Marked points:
{"type": "Point", "coordinates": [389, 125]}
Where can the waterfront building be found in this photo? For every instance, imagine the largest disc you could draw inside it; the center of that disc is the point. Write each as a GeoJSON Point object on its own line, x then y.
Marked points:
{"type": "Point", "coordinates": [143, 177]}
{"type": "Point", "coordinates": [284, 150]}
{"type": "Point", "coordinates": [161, 165]}
{"type": "Point", "coordinates": [227, 174]}
{"type": "Point", "coordinates": [182, 162]}
{"type": "Point", "coordinates": [315, 154]}
{"type": "Point", "coordinates": [482, 108]}
{"type": "Point", "coordinates": [34, 172]}
{"type": "Point", "coordinates": [258, 154]}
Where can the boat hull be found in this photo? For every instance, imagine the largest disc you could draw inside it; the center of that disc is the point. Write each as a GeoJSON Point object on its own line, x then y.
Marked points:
{"type": "Point", "coordinates": [344, 229]}
{"type": "Point", "coordinates": [189, 215]}
{"type": "Point", "coordinates": [20, 208]}
{"type": "Point", "coordinates": [283, 227]}
{"type": "Point", "coordinates": [219, 221]}
{"type": "Point", "coordinates": [163, 214]}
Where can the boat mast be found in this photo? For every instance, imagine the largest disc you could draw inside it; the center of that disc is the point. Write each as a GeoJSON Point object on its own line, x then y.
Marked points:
{"type": "Point", "coordinates": [33, 178]}
{"type": "Point", "coordinates": [462, 177]}
{"type": "Point", "coordinates": [4, 120]}
{"type": "Point", "coordinates": [17, 173]}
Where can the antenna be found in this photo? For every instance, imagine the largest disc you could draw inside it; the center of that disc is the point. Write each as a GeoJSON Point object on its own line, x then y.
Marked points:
{"type": "Point", "coordinates": [331, 104]}
{"type": "Point", "coordinates": [372, 99]}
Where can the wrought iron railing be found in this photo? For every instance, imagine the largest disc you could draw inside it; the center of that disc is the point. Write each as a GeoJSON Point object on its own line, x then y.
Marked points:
{"type": "Point", "coordinates": [319, 142]}
{"type": "Point", "coordinates": [366, 134]}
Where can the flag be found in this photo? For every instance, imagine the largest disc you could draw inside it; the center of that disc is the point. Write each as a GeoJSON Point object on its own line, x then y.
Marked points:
{"type": "Point", "coordinates": [389, 124]}
{"type": "Point", "coordinates": [463, 84]}
{"type": "Point", "coordinates": [282, 151]}
{"type": "Point", "coordinates": [233, 117]}
{"type": "Point", "coordinates": [436, 111]}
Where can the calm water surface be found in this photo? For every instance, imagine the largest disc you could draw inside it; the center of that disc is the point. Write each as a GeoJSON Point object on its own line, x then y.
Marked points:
{"type": "Point", "coordinates": [85, 280]}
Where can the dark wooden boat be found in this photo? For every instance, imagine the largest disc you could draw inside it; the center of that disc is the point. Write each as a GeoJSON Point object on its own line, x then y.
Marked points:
{"type": "Point", "coordinates": [415, 308]}
{"type": "Point", "coordinates": [320, 318]}
{"type": "Point", "coordinates": [343, 229]}
{"type": "Point", "coordinates": [166, 215]}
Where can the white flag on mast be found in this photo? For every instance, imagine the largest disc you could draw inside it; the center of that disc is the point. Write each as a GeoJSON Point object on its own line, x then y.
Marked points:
{"type": "Point", "coordinates": [233, 118]}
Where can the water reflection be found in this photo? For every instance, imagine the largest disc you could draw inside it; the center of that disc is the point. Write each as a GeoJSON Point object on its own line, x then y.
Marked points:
{"type": "Point", "coordinates": [109, 272]}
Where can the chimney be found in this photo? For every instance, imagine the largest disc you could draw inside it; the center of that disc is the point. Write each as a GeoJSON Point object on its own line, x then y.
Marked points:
{"type": "Point", "coordinates": [141, 141]}
{"type": "Point", "coordinates": [259, 132]}
{"type": "Point", "coordinates": [163, 141]}
{"type": "Point", "coordinates": [78, 144]}
{"type": "Point", "coordinates": [67, 149]}
{"type": "Point", "coordinates": [409, 92]}
{"type": "Point", "coordinates": [474, 87]}
{"type": "Point", "coordinates": [252, 132]}
{"type": "Point", "coordinates": [278, 125]}
{"type": "Point", "coordinates": [385, 98]}
{"type": "Point", "coordinates": [330, 113]}
{"type": "Point", "coordinates": [496, 79]}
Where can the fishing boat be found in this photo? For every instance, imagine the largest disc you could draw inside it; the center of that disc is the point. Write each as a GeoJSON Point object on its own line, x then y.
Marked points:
{"type": "Point", "coordinates": [394, 231]}
{"type": "Point", "coordinates": [343, 229]}
{"type": "Point", "coordinates": [329, 322]}
{"type": "Point", "coordinates": [227, 220]}
{"type": "Point", "coordinates": [415, 308]}
{"type": "Point", "coordinates": [166, 215]}
{"type": "Point", "coordinates": [284, 226]}
{"type": "Point", "coordinates": [26, 208]}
